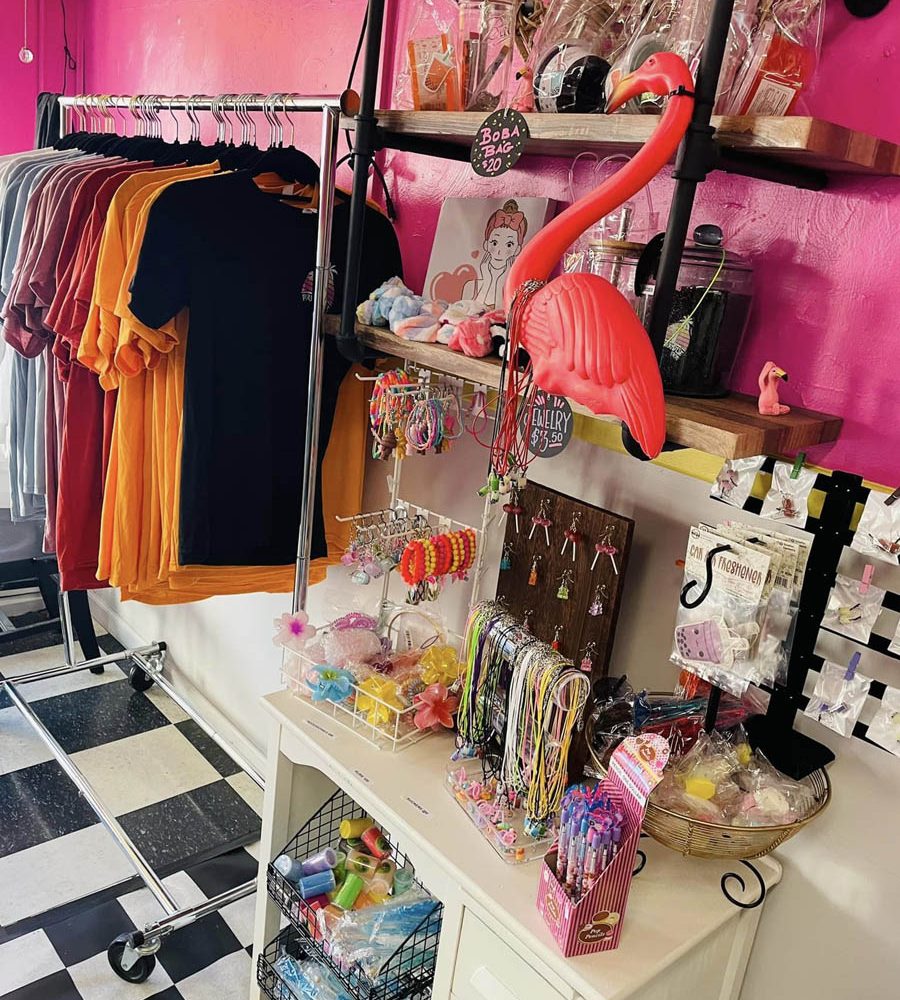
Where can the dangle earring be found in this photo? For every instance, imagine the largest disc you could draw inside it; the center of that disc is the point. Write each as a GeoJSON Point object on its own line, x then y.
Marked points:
{"type": "Point", "coordinates": [533, 575]}
{"type": "Point", "coordinates": [512, 507]}
{"type": "Point", "coordinates": [600, 597]}
{"type": "Point", "coordinates": [605, 548]}
{"type": "Point", "coordinates": [540, 520]}
{"type": "Point", "coordinates": [564, 581]}
{"type": "Point", "coordinates": [587, 661]}
{"type": "Point", "coordinates": [572, 534]}
{"type": "Point", "coordinates": [526, 624]}
{"type": "Point", "coordinates": [557, 632]}
{"type": "Point", "coordinates": [506, 558]}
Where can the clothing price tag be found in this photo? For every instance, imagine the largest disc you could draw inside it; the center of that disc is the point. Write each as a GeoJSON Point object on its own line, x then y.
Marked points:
{"type": "Point", "coordinates": [320, 729]}
{"type": "Point", "coordinates": [499, 142]}
{"type": "Point", "coordinates": [551, 425]}
{"type": "Point", "coordinates": [418, 806]}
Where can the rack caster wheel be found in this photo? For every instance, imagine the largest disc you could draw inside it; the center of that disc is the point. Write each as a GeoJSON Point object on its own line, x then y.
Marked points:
{"type": "Point", "coordinates": [140, 680]}
{"type": "Point", "coordinates": [97, 670]}
{"type": "Point", "coordinates": [126, 962]}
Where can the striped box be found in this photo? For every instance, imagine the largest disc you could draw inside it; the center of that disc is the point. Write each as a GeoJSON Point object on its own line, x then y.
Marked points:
{"type": "Point", "coordinates": [594, 923]}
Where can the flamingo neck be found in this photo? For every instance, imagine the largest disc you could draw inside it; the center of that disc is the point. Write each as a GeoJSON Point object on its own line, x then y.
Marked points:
{"type": "Point", "coordinates": [541, 255]}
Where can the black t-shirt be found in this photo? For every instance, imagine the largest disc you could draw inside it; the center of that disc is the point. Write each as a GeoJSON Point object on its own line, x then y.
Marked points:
{"type": "Point", "coordinates": [238, 258]}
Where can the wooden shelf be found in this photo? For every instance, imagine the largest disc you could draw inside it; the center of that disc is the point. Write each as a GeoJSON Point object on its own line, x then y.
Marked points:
{"type": "Point", "coordinates": [804, 142]}
{"type": "Point", "coordinates": [731, 427]}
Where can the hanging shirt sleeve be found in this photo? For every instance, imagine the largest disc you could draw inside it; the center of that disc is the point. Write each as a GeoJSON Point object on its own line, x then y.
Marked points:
{"type": "Point", "coordinates": [160, 287]}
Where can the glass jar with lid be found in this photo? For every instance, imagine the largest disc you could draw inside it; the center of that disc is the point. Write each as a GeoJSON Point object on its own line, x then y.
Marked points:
{"type": "Point", "coordinates": [709, 314]}
{"type": "Point", "coordinates": [484, 47]}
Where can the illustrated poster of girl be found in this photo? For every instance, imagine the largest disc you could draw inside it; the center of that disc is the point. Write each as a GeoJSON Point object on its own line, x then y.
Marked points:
{"type": "Point", "coordinates": [504, 237]}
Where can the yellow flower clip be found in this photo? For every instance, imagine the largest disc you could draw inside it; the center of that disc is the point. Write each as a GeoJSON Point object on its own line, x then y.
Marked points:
{"type": "Point", "coordinates": [379, 699]}
{"type": "Point", "coordinates": [440, 665]}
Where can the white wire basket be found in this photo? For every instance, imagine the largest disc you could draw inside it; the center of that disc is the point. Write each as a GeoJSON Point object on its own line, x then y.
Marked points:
{"type": "Point", "coordinates": [383, 723]}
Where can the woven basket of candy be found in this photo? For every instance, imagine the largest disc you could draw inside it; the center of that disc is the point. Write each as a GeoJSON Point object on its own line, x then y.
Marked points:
{"type": "Point", "coordinates": [703, 839]}
{"type": "Point", "coordinates": [391, 680]}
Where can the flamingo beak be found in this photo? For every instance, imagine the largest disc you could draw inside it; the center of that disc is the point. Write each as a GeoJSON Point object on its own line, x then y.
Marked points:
{"type": "Point", "coordinates": [623, 90]}
{"type": "Point", "coordinates": [780, 373]}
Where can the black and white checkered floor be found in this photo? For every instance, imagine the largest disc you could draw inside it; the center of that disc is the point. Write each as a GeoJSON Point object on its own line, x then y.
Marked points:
{"type": "Point", "coordinates": [66, 889]}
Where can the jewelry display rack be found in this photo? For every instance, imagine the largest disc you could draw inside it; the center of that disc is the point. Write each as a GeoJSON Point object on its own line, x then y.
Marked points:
{"type": "Point", "coordinates": [132, 955]}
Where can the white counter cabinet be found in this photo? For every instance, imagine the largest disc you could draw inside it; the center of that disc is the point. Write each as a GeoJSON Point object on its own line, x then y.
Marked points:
{"type": "Point", "coordinates": [682, 940]}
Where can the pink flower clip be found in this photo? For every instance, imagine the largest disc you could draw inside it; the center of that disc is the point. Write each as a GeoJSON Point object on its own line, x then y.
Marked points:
{"type": "Point", "coordinates": [293, 631]}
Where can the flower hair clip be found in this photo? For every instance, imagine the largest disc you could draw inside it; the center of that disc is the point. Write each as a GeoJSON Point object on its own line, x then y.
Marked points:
{"type": "Point", "coordinates": [294, 631]}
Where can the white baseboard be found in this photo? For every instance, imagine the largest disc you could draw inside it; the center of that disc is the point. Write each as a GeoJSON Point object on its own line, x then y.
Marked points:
{"type": "Point", "coordinates": [107, 615]}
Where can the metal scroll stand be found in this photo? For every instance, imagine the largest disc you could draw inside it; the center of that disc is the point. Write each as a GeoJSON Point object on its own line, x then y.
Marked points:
{"type": "Point", "coordinates": [132, 955]}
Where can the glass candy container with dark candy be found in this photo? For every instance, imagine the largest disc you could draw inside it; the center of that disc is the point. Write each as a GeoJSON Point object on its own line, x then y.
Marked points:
{"type": "Point", "coordinates": [709, 312]}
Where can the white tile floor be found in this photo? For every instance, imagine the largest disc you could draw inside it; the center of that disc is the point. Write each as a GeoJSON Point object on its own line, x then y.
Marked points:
{"type": "Point", "coordinates": [25, 960]}
{"type": "Point", "coordinates": [59, 871]}
{"type": "Point", "coordinates": [20, 746]}
{"type": "Point", "coordinates": [139, 770]}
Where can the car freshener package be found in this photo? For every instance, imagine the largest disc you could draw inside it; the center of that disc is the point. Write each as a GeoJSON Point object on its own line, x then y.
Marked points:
{"type": "Point", "coordinates": [429, 77]}
{"type": "Point", "coordinates": [853, 608]}
{"type": "Point", "coordinates": [720, 606]}
{"type": "Point", "coordinates": [884, 729]}
{"type": "Point", "coordinates": [839, 696]}
{"type": "Point", "coordinates": [734, 483]}
{"type": "Point", "coordinates": [788, 497]}
{"type": "Point", "coordinates": [878, 533]}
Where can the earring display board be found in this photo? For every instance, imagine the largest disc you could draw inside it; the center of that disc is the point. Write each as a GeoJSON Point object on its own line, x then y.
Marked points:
{"type": "Point", "coordinates": [575, 620]}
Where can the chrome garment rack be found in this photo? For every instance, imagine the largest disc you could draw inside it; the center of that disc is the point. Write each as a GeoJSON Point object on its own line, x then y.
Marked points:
{"type": "Point", "coordinates": [132, 955]}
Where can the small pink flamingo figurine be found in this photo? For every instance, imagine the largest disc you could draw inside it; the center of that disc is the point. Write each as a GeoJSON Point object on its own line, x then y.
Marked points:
{"type": "Point", "coordinates": [768, 390]}
{"type": "Point", "coordinates": [523, 99]}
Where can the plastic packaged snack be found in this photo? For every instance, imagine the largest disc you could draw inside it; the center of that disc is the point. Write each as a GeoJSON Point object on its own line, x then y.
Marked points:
{"type": "Point", "coordinates": [839, 696]}
{"type": "Point", "coordinates": [369, 937]}
{"type": "Point", "coordinates": [429, 79]}
{"type": "Point", "coordinates": [734, 483]}
{"type": "Point", "coordinates": [309, 980]}
{"type": "Point", "coordinates": [788, 497]}
{"type": "Point", "coordinates": [884, 729]}
{"type": "Point", "coordinates": [878, 533]}
{"type": "Point", "coordinates": [779, 60]}
{"type": "Point", "coordinates": [853, 608]}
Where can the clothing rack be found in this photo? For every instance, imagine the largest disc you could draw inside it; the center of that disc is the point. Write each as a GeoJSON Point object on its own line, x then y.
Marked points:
{"type": "Point", "coordinates": [131, 954]}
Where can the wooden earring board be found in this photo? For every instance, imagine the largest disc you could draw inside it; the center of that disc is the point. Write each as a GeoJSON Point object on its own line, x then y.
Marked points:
{"type": "Point", "coordinates": [579, 627]}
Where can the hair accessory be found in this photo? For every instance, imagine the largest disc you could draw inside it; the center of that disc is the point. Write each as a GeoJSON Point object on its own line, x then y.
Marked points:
{"type": "Point", "coordinates": [564, 581]}
{"type": "Point", "coordinates": [533, 575]}
{"type": "Point", "coordinates": [435, 707]}
{"type": "Point", "coordinates": [605, 548]}
{"type": "Point", "coordinates": [513, 507]}
{"type": "Point", "coordinates": [506, 558]}
{"type": "Point", "coordinates": [294, 631]}
{"type": "Point", "coordinates": [572, 534]}
{"type": "Point", "coordinates": [541, 520]}
{"type": "Point", "coordinates": [597, 604]}
{"type": "Point", "coordinates": [587, 660]}
{"type": "Point", "coordinates": [557, 632]}
{"type": "Point", "coordinates": [330, 684]}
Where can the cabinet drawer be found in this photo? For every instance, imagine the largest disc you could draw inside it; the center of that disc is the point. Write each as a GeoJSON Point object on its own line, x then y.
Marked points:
{"type": "Point", "coordinates": [488, 969]}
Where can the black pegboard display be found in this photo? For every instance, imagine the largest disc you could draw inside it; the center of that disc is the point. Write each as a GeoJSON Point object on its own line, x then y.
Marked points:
{"type": "Point", "coordinates": [844, 494]}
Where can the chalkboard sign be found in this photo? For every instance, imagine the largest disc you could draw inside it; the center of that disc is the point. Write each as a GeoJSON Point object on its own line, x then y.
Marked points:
{"type": "Point", "coordinates": [551, 425]}
{"type": "Point", "coordinates": [499, 142]}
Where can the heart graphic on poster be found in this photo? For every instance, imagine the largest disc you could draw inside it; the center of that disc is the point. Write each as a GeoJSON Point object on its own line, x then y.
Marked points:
{"type": "Point", "coordinates": [449, 285]}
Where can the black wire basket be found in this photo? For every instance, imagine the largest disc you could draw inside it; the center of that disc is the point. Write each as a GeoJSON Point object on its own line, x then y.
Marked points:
{"type": "Point", "coordinates": [269, 981]}
{"type": "Point", "coordinates": [409, 972]}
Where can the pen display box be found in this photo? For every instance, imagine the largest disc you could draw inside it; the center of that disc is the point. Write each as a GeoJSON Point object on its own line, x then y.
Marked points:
{"type": "Point", "coordinates": [594, 922]}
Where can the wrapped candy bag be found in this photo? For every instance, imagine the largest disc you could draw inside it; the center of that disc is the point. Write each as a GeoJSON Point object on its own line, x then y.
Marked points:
{"type": "Point", "coordinates": [839, 696]}
{"type": "Point", "coordinates": [700, 784]}
{"type": "Point", "coordinates": [853, 608]}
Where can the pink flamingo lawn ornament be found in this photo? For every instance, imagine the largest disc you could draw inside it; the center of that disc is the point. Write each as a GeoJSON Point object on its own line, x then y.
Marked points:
{"type": "Point", "coordinates": [769, 406]}
{"type": "Point", "coordinates": [584, 339]}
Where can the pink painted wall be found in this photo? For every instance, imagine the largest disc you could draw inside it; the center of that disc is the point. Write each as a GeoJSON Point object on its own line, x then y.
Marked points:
{"type": "Point", "coordinates": [20, 83]}
{"type": "Point", "coordinates": [827, 264]}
